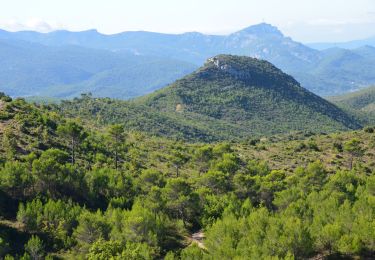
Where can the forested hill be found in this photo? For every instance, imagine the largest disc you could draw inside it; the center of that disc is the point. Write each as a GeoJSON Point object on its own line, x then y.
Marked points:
{"type": "Point", "coordinates": [361, 100]}
{"type": "Point", "coordinates": [70, 191]}
{"type": "Point", "coordinates": [229, 98]}
{"type": "Point", "coordinates": [360, 103]}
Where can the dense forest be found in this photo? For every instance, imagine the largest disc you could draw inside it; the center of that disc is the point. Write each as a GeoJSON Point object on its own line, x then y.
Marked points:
{"type": "Point", "coordinates": [75, 188]}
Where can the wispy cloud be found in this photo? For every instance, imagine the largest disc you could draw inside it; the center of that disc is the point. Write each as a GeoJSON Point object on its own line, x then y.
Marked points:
{"type": "Point", "coordinates": [33, 24]}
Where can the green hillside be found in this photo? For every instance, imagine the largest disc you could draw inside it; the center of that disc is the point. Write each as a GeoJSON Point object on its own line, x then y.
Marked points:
{"type": "Point", "coordinates": [360, 103]}
{"type": "Point", "coordinates": [361, 100]}
{"type": "Point", "coordinates": [115, 194]}
{"type": "Point", "coordinates": [229, 98]}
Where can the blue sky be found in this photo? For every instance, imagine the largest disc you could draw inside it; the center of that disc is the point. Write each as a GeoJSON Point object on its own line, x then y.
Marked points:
{"type": "Point", "coordinates": [303, 20]}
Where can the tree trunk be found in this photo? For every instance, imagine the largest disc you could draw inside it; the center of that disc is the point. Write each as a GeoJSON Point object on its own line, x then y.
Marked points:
{"type": "Point", "coordinates": [73, 148]}
{"type": "Point", "coordinates": [117, 140]}
{"type": "Point", "coordinates": [116, 159]}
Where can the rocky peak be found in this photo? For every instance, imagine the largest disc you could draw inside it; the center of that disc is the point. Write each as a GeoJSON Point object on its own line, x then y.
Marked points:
{"type": "Point", "coordinates": [261, 29]}
{"type": "Point", "coordinates": [221, 62]}
{"type": "Point", "coordinates": [229, 64]}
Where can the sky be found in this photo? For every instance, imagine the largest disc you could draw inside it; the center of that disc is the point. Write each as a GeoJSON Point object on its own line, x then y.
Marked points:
{"type": "Point", "coordinates": [303, 20]}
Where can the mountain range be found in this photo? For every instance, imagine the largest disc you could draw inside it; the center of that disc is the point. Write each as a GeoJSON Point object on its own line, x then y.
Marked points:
{"type": "Point", "coordinates": [229, 98]}
{"type": "Point", "coordinates": [32, 69]}
{"type": "Point", "coordinates": [345, 45]}
{"type": "Point", "coordinates": [65, 64]}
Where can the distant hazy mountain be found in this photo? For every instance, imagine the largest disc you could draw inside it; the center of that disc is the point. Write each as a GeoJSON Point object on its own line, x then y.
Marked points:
{"type": "Point", "coordinates": [340, 71]}
{"type": "Point", "coordinates": [262, 40]}
{"type": "Point", "coordinates": [345, 45]}
{"type": "Point", "coordinates": [330, 72]}
{"type": "Point", "coordinates": [230, 97]}
{"type": "Point", "coordinates": [31, 69]}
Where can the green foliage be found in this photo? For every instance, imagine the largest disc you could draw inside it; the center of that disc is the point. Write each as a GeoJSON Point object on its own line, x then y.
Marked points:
{"type": "Point", "coordinates": [353, 147]}
{"type": "Point", "coordinates": [369, 129]}
{"type": "Point", "coordinates": [102, 250]}
{"type": "Point", "coordinates": [53, 175]}
{"type": "Point", "coordinates": [28, 214]}
{"type": "Point", "coordinates": [105, 184]}
{"type": "Point", "coordinates": [56, 218]}
{"type": "Point", "coordinates": [4, 246]}
{"type": "Point", "coordinates": [4, 97]}
{"type": "Point", "coordinates": [117, 134]}
{"type": "Point", "coordinates": [181, 201]}
{"type": "Point", "coordinates": [192, 252]}
{"type": "Point", "coordinates": [35, 248]}
{"type": "Point", "coordinates": [215, 181]}
{"type": "Point", "coordinates": [92, 226]}
{"type": "Point", "coordinates": [74, 134]}
{"type": "Point", "coordinates": [135, 251]}
{"type": "Point", "coordinates": [15, 178]}
{"type": "Point", "coordinates": [302, 225]}
{"type": "Point", "coordinates": [274, 202]}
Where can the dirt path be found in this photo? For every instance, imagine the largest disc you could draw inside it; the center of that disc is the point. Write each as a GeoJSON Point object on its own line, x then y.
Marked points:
{"type": "Point", "coordinates": [198, 238]}
{"type": "Point", "coordinates": [12, 224]}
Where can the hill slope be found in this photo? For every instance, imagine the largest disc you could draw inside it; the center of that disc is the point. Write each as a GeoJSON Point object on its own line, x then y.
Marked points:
{"type": "Point", "coordinates": [230, 97]}
{"type": "Point", "coordinates": [360, 100]}
{"type": "Point", "coordinates": [361, 103]}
